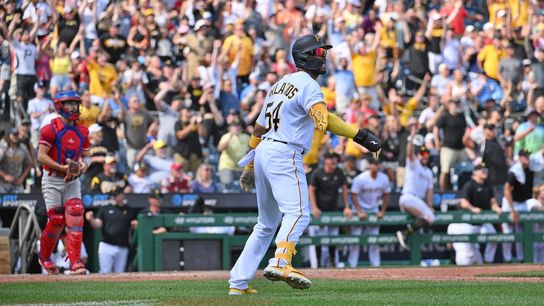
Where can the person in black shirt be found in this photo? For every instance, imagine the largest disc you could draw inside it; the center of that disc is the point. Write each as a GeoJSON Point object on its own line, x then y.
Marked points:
{"type": "Point", "coordinates": [188, 150]}
{"type": "Point", "coordinates": [493, 156]}
{"type": "Point", "coordinates": [116, 220]}
{"type": "Point", "coordinates": [517, 190]}
{"type": "Point", "coordinates": [109, 180]}
{"type": "Point", "coordinates": [67, 26]}
{"type": "Point", "coordinates": [10, 10]}
{"type": "Point", "coordinates": [115, 44]}
{"type": "Point", "coordinates": [97, 152]}
{"type": "Point", "coordinates": [155, 208]}
{"type": "Point", "coordinates": [477, 195]}
{"type": "Point", "coordinates": [453, 125]}
{"type": "Point", "coordinates": [418, 62]}
{"type": "Point", "coordinates": [325, 184]}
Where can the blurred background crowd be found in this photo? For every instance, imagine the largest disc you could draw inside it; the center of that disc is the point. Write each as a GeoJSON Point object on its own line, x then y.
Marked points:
{"type": "Point", "coordinates": [171, 89]}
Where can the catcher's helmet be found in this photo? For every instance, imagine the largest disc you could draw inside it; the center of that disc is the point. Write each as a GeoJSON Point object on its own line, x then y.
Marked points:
{"type": "Point", "coordinates": [62, 97]}
{"type": "Point", "coordinates": [305, 56]}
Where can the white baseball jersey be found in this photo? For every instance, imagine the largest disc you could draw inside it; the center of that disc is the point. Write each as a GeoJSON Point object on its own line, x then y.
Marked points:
{"type": "Point", "coordinates": [418, 179]}
{"type": "Point", "coordinates": [369, 190]}
{"type": "Point", "coordinates": [285, 110]}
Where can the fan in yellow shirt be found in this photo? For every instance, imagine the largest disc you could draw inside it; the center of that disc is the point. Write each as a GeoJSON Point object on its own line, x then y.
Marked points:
{"type": "Point", "coordinates": [489, 58]}
{"type": "Point", "coordinates": [406, 109]}
{"type": "Point", "coordinates": [102, 76]}
{"type": "Point", "coordinates": [239, 44]}
{"type": "Point", "coordinates": [88, 113]}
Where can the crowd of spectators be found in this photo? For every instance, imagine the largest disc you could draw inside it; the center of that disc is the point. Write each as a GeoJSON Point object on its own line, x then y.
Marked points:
{"type": "Point", "coordinates": [171, 89]}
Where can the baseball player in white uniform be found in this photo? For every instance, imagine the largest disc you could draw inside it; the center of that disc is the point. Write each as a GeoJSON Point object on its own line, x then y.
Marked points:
{"type": "Point", "coordinates": [294, 106]}
{"type": "Point", "coordinates": [537, 204]}
{"type": "Point", "coordinates": [417, 195]}
{"type": "Point", "coordinates": [367, 190]}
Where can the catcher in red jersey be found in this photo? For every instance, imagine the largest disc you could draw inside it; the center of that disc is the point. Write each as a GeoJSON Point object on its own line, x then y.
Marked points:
{"type": "Point", "coordinates": [64, 153]}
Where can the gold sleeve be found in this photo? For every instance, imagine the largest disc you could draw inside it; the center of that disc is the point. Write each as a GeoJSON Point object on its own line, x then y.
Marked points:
{"type": "Point", "coordinates": [340, 127]}
{"type": "Point", "coordinates": [320, 115]}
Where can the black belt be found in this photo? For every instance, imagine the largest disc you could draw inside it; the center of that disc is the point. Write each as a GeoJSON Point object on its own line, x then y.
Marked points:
{"type": "Point", "coordinates": [285, 143]}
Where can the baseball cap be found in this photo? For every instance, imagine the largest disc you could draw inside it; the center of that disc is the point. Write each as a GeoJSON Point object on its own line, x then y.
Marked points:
{"type": "Point", "coordinates": [176, 166]}
{"type": "Point", "coordinates": [422, 151]}
{"type": "Point", "coordinates": [469, 29]}
{"type": "Point", "coordinates": [39, 84]}
{"type": "Point", "coordinates": [155, 194]}
{"type": "Point", "coordinates": [75, 55]}
{"type": "Point", "coordinates": [109, 159]}
{"type": "Point", "coordinates": [148, 12]}
{"type": "Point", "coordinates": [183, 29]}
{"type": "Point", "coordinates": [94, 128]}
{"type": "Point", "coordinates": [139, 166]}
{"type": "Point", "coordinates": [199, 24]}
{"type": "Point", "coordinates": [68, 9]}
{"type": "Point", "coordinates": [479, 164]}
{"type": "Point", "coordinates": [526, 62]}
{"type": "Point", "coordinates": [159, 144]}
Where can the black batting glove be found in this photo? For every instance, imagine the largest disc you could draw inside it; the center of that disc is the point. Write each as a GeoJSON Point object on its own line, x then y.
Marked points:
{"type": "Point", "coordinates": [368, 140]}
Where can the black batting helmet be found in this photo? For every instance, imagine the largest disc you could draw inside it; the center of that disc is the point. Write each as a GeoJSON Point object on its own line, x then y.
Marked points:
{"type": "Point", "coordinates": [304, 53]}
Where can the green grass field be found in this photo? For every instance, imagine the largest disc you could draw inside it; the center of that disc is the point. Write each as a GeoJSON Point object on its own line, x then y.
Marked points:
{"type": "Point", "coordinates": [324, 292]}
{"type": "Point", "coordinates": [536, 274]}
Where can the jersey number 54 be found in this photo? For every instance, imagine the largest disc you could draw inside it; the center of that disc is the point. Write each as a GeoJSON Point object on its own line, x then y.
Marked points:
{"type": "Point", "coordinates": [273, 118]}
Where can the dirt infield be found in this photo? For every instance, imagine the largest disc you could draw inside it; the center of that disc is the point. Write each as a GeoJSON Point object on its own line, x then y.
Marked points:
{"type": "Point", "coordinates": [407, 273]}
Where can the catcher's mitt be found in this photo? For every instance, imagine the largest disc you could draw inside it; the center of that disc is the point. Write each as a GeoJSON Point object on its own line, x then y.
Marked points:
{"type": "Point", "coordinates": [74, 170]}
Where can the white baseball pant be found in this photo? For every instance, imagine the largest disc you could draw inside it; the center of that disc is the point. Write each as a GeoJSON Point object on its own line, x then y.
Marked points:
{"type": "Point", "coordinates": [469, 253]}
{"type": "Point", "coordinates": [112, 258]}
{"type": "Point", "coordinates": [56, 192]}
{"type": "Point", "coordinates": [509, 228]}
{"type": "Point", "coordinates": [538, 252]}
{"type": "Point", "coordinates": [373, 249]}
{"type": "Point", "coordinates": [416, 206]}
{"type": "Point", "coordinates": [325, 255]}
{"type": "Point", "coordinates": [282, 195]}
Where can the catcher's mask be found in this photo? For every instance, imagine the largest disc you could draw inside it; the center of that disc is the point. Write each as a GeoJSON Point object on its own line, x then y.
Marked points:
{"type": "Point", "coordinates": [64, 97]}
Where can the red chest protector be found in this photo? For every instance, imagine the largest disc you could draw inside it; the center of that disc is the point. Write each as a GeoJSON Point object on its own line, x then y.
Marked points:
{"type": "Point", "coordinates": [69, 141]}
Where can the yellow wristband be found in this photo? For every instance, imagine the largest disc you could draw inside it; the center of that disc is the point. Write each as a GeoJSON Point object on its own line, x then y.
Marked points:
{"type": "Point", "coordinates": [254, 141]}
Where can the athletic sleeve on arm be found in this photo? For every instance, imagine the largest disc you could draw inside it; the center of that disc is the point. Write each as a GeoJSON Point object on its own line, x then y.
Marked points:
{"type": "Point", "coordinates": [47, 136]}
{"type": "Point", "coordinates": [86, 143]}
